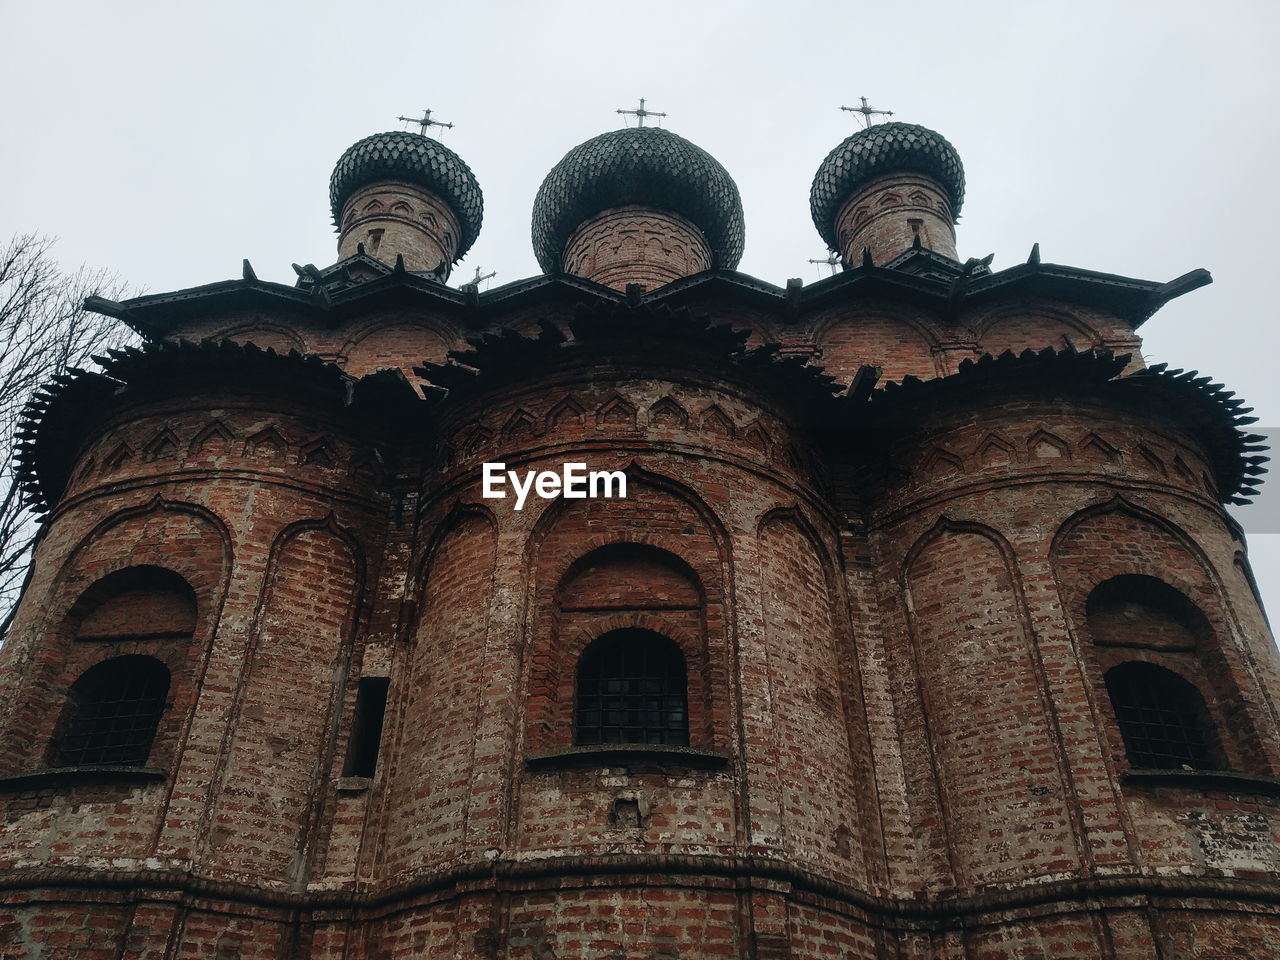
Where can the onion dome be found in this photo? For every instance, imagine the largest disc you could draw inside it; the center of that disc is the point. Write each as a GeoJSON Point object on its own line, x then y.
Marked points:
{"type": "Point", "coordinates": [422, 161]}
{"type": "Point", "coordinates": [645, 166]}
{"type": "Point", "coordinates": [881, 150]}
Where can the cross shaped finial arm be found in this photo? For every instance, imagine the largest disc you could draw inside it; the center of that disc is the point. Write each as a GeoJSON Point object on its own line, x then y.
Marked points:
{"type": "Point", "coordinates": [425, 123]}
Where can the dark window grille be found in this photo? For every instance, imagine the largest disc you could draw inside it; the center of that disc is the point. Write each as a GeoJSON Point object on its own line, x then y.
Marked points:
{"type": "Point", "coordinates": [632, 688]}
{"type": "Point", "coordinates": [117, 706]}
{"type": "Point", "coordinates": [1162, 718]}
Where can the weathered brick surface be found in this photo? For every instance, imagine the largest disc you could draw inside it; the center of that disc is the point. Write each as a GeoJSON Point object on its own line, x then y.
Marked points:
{"type": "Point", "coordinates": [275, 762]}
{"type": "Point", "coordinates": [904, 745]}
{"type": "Point", "coordinates": [430, 775]}
{"type": "Point", "coordinates": [393, 218]}
{"type": "Point", "coordinates": [989, 731]}
{"type": "Point", "coordinates": [636, 245]}
{"type": "Point", "coordinates": [890, 214]}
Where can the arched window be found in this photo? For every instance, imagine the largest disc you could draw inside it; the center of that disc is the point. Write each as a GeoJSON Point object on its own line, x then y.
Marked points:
{"type": "Point", "coordinates": [114, 711]}
{"type": "Point", "coordinates": [632, 688]}
{"type": "Point", "coordinates": [1162, 718]}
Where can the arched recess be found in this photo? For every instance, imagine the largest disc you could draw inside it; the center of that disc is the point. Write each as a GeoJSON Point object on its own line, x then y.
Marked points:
{"type": "Point", "coordinates": [396, 343]}
{"type": "Point", "coordinates": [276, 761]}
{"type": "Point", "coordinates": [622, 586]}
{"type": "Point", "coordinates": [139, 602]}
{"type": "Point", "coordinates": [808, 678]}
{"type": "Point", "coordinates": [148, 580]}
{"type": "Point", "coordinates": [899, 344]}
{"type": "Point", "coordinates": [144, 617]}
{"type": "Point", "coordinates": [441, 691]}
{"type": "Point", "coordinates": [1136, 588]}
{"type": "Point", "coordinates": [268, 336]}
{"type": "Point", "coordinates": [637, 518]}
{"type": "Point", "coordinates": [1249, 587]}
{"type": "Point", "coordinates": [655, 560]}
{"type": "Point", "coordinates": [1033, 327]}
{"type": "Point", "coordinates": [186, 538]}
{"type": "Point", "coordinates": [981, 687]}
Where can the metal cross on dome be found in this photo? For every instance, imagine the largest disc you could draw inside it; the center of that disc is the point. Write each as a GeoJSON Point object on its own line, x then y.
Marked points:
{"type": "Point", "coordinates": [641, 113]}
{"type": "Point", "coordinates": [426, 123]}
{"type": "Point", "coordinates": [832, 260]}
{"type": "Point", "coordinates": [867, 112]}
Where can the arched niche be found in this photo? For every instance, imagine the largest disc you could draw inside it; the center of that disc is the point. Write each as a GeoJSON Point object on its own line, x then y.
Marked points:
{"type": "Point", "coordinates": [441, 687]}
{"type": "Point", "coordinates": [1137, 588]}
{"type": "Point", "coordinates": [402, 344]}
{"type": "Point", "coordinates": [267, 336]}
{"type": "Point", "coordinates": [1033, 328]}
{"type": "Point", "coordinates": [980, 686]}
{"type": "Point", "coordinates": [629, 576]}
{"type": "Point", "coordinates": [653, 561]}
{"type": "Point", "coordinates": [899, 345]}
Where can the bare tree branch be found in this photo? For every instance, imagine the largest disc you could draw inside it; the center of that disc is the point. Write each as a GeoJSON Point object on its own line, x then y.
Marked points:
{"type": "Point", "coordinates": [44, 329]}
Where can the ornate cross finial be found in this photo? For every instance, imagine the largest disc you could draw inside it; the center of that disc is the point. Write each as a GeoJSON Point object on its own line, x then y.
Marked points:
{"type": "Point", "coordinates": [867, 112]}
{"type": "Point", "coordinates": [426, 123]}
{"type": "Point", "coordinates": [641, 113]}
{"type": "Point", "coordinates": [832, 260]}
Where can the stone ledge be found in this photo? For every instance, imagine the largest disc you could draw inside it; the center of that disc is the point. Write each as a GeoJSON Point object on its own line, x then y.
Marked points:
{"type": "Point", "coordinates": [86, 773]}
{"type": "Point", "coordinates": [553, 874]}
{"type": "Point", "coordinates": [353, 784]}
{"type": "Point", "coordinates": [1203, 780]}
{"type": "Point", "coordinates": [626, 753]}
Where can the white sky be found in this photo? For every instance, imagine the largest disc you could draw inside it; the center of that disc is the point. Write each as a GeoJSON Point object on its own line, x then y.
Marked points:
{"type": "Point", "coordinates": [167, 140]}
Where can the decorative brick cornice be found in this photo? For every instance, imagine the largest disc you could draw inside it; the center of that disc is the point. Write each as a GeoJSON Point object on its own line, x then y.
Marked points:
{"type": "Point", "coordinates": [648, 870]}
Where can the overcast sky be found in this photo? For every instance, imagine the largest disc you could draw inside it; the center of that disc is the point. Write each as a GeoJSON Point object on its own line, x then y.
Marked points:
{"type": "Point", "coordinates": [166, 141]}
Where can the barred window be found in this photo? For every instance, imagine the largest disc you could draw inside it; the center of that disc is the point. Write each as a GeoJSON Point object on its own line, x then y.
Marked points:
{"type": "Point", "coordinates": [632, 688]}
{"type": "Point", "coordinates": [114, 711]}
{"type": "Point", "coordinates": [1161, 716]}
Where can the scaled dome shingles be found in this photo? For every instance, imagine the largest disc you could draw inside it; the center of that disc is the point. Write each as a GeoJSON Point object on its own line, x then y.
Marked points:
{"type": "Point", "coordinates": [648, 166]}
{"type": "Point", "coordinates": [401, 155]}
{"type": "Point", "coordinates": [882, 149]}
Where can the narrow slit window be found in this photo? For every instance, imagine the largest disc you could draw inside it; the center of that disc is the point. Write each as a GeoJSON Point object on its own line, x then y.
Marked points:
{"type": "Point", "coordinates": [366, 727]}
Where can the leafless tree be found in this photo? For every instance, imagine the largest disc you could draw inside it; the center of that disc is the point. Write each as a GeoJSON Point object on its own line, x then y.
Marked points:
{"type": "Point", "coordinates": [44, 329]}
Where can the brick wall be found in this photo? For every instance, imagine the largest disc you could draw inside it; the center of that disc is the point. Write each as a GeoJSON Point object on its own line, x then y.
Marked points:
{"type": "Point", "coordinates": [634, 244]}
{"type": "Point", "coordinates": [888, 215]}
{"type": "Point", "coordinates": [901, 741]}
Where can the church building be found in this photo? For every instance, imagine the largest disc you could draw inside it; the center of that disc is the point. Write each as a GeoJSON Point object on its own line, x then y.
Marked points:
{"type": "Point", "coordinates": [642, 609]}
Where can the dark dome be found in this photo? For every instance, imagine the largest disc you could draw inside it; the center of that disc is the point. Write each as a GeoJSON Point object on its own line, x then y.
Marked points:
{"type": "Point", "coordinates": [878, 150]}
{"type": "Point", "coordinates": [643, 165]}
{"type": "Point", "coordinates": [400, 155]}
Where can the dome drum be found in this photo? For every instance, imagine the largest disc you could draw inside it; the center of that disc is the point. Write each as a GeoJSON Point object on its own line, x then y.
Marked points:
{"type": "Point", "coordinates": [393, 218]}
{"type": "Point", "coordinates": [890, 214]}
{"type": "Point", "coordinates": [635, 244]}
